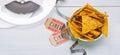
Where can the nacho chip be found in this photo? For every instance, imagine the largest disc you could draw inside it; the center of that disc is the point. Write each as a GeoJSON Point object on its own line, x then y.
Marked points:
{"type": "Point", "coordinates": [105, 28]}
{"type": "Point", "coordinates": [73, 30]}
{"type": "Point", "coordinates": [95, 33]}
{"type": "Point", "coordinates": [89, 7]}
{"type": "Point", "coordinates": [89, 24]}
{"type": "Point", "coordinates": [76, 24]}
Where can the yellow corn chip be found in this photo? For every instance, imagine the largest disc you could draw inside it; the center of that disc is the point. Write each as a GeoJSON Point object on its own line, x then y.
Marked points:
{"type": "Point", "coordinates": [89, 24]}
{"type": "Point", "coordinates": [89, 7]}
{"type": "Point", "coordinates": [105, 28]}
{"type": "Point", "coordinates": [73, 30]}
{"type": "Point", "coordinates": [95, 33]}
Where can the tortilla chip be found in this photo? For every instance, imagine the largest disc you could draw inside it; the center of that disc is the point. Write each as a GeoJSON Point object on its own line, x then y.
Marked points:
{"type": "Point", "coordinates": [89, 24]}
{"type": "Point", "coordinates": [105, 28]}
{"type": "Point", "coordinates": [95, 33]}
{"type": "Point", "coordinates": [89, 7]}
{"type": "Point", "coordinates": [75, 34]}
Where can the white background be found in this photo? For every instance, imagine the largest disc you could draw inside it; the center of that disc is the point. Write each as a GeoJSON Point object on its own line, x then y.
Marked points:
{"type": "Point", "coordinates": [33, 39]}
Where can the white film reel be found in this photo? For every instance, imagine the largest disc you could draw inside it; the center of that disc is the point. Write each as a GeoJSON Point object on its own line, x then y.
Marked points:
{"type": "Point", "coordinates": [47, 6]}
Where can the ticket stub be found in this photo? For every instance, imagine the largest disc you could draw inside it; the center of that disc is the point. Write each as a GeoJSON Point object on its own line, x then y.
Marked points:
{"type": "Point", "coordinates": [54, 25]}
{"type": "Point", "coordinates": [59, 37]}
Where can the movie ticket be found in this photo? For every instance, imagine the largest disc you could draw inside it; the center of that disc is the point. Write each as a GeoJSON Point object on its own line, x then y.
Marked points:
{"type": "Point", "coordinates": [59, 37]}
{"type": "Point", "coordinates": [54, 25]}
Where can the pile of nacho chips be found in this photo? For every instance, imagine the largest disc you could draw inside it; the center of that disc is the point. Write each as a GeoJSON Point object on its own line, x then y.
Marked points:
{"type": "Point", "coordinates": [87, 23]}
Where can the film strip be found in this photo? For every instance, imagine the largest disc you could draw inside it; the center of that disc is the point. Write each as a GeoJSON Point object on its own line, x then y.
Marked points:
{"type": "Point", "coordinates": [74, 51]}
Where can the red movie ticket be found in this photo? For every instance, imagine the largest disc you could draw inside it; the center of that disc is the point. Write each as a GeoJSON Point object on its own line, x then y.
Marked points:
{"type": "Point", "coordinates": [54, 25]}
{"type": "Point", "coordinates": [59, 37]}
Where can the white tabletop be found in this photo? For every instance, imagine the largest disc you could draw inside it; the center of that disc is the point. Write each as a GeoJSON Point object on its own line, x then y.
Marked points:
{"type": "Point", "coordinates": [33, 39]}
